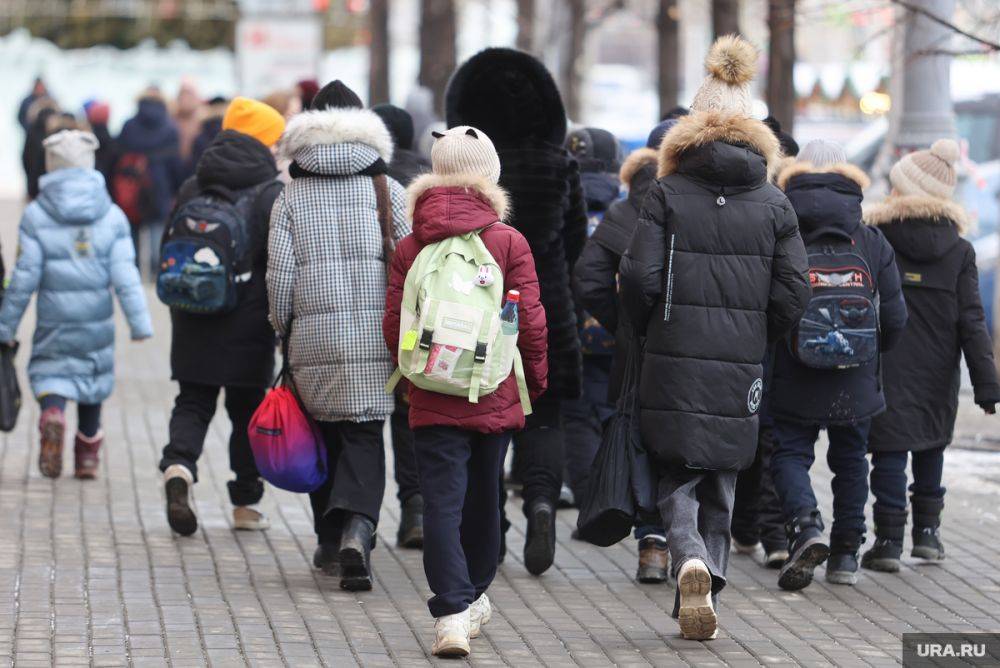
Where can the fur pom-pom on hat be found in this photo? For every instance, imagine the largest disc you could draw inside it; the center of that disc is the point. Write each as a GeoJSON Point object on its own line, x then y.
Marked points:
{"type": "Point", "coordinates": [731, 64]}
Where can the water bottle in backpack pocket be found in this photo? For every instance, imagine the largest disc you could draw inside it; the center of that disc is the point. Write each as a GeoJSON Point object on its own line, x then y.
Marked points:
{"type": "Point", "coordinates": [204, 249]}
{"type": "Point", "coordinates": [840, 328]}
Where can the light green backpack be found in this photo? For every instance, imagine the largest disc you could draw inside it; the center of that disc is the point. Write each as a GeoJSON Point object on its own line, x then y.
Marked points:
{"type": "Point", "coordinates": [450, 335]}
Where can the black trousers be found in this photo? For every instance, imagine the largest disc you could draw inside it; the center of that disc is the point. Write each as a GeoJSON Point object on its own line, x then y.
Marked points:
{"type": "Point", "coordinates": [583, 423]}
{"type": "Point", "coordinates": [403, 458]}
{"type": "Point", "coordinates": [541, 452]}
{"type": "Point", "coordinates": [355, 483]}
{"type": "Point", "coordinates": [459, 480]}
{"type": "Point", "coordinates": [194, 408]}
{"type": "Point", "coordinates": [757, 512]}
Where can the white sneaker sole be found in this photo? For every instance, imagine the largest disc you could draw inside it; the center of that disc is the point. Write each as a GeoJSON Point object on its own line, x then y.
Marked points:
{"type": "Point", "coordinates": [696, 616]}
{"type": "Point", "coordinates": [253, 525]}
{"type": "Point", "coordinates": [456, 647]}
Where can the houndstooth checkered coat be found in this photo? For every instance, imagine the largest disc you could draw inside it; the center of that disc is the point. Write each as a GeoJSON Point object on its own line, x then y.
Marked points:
{"type": "Point", "coordinates": [325, 264]}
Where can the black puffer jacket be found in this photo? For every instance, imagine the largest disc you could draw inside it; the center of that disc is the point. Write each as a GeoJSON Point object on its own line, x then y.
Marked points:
{"type": "Point", "coordinates": [715, 269]}
{"type": "Point", "coordinates": [832, 199]}
{"type": "Point", "coordinates": [595, 277]}
{"type": "Point", "coordinates": [407, 165]}
{"type": "Point", "coordinates": [236, 348]}
{"type": "Point", "coordinates": [941, 286]}
{"type": "Point", "coordinates": [511, 97]}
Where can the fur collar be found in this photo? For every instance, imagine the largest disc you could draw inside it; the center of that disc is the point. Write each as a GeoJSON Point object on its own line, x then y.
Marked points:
{"type": "Point", "coordinates": [845, 169]}
{"type": "Point", "coordinates": [494, 194]}
{"type": "Point", "coordinates": [635, 161]}
{"type": "Point", "coordinates": [702, 127]}
{"type": "Point", "coordinates": [899, 208]}
{"type": "Point", "coordinates": [335, 126]}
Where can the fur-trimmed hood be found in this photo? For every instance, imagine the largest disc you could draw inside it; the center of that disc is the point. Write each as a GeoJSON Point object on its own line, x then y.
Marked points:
{"type": "Point", "coordinates": [789, 170]}
{"type": "Point", "coordinates": [704, 127]}
{"type": "Point", "coordinates": [901, 208]}
{"type": "Point", "coordinates": [636, 160]}
{"type": "Point", "coordinates": [335, 126]}
{"type": "Point", "coordinates": [443, 205]}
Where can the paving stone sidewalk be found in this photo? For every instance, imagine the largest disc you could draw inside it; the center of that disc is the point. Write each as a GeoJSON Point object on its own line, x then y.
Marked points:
{"type": "Point", "coordinates": [90, 574]}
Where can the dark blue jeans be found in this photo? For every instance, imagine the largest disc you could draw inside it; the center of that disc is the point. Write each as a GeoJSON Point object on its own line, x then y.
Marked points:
{"type": "Point", "coordinates": [794, 454]}
{"type": "Point", "coordinates": [460, 482]}
{"type": "Point", "coordinates": [888, 476]}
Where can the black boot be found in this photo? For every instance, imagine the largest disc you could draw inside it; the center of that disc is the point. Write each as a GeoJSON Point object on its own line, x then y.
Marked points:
{"type": "Point", "coordinates": [653, 560]}
{"type": "Point", "coordinates": [842, 566]}
{"type": "Point", "coordinates": [540, 543]}
{"type": "Point", "coordinates": [806, 551]}
{"type": "Point", "coordinates": [411, 523]}
{"type": "Point", "coordinates": [926, 524]}
{"type": "Point", "coordinates": [327, 558]}
{"type": "Point", "coordinates": [890, 524]}
{"type": "Point", "coordinates": [356, 546]}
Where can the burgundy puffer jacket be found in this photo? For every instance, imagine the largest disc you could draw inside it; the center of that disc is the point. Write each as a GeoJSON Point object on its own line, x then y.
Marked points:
{"type": "Point", "coordinates": [442, 207]}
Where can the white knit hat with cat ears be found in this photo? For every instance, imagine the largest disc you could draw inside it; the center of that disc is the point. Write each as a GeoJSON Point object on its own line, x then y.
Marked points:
{"type": "Point", "coordinates": [465, 150]}
{"type": "Point", "coordinates": [731, 65]}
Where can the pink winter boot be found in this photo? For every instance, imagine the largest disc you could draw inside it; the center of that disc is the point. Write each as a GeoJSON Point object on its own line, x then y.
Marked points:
{"type": "Point", "coordinates": [85, 450]}
{"type": "Point", "coordinates": [52, 427]}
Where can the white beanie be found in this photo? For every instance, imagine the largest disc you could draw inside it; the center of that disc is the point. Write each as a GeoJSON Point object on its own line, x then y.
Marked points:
{"type": "Point", "coordinates": [70, 148]}
{"type": "Point", "coordinates": [731, 65]}
{"type": "Point", "coordinates": [465, 150]}
{"type": "Point", "coordinates": [822, 153]}
{"type": "Point", "coordinates": [929, 173]}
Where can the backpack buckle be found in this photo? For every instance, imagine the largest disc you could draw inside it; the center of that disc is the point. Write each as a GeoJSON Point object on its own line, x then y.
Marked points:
{"type": "Point", "coordinates": [480, 356]}
{"type": "Point", "coordinates": [426, 338]}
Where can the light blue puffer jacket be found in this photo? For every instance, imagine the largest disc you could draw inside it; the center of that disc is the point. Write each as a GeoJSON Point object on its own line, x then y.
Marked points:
{"type": "Point", "coordinates": [74, 247]}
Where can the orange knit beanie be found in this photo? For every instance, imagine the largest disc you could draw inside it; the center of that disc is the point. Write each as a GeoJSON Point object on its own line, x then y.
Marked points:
{"type": "Point", "coordinates": [254, 118]}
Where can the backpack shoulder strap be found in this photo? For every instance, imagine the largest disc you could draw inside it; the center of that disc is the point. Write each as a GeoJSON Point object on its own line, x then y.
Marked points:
{"type": "Point", "coordinates": [384, 202]}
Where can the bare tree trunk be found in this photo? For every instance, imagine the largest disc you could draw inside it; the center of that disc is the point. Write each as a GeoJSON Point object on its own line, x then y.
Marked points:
{"type": "Point", "coordinates": [437, 47]}
{"type": "Point", "coordinates": [378, 52]}
{"type": "Point", "coordinates": [570, 74]}
{"type": "Point", "coordinates": [668, 55]}
{"type": "Point", "coordinates": [781, 62]}
{"type": "Point", "coordinates": [725, 17]}
{"type": "Point", "coordinates": [526, 25]}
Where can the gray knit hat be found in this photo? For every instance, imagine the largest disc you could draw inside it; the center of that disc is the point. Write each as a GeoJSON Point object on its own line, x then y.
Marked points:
{"type": "Point", "coordinates": [930, 173]}
{"type": "Point", "coordinates": [822, 153]}
{"type": "Point", "coordinates": [70, 148]}
{"type": "Point", "coordinates": [465, 150]}
{"type": "Point", "coordinates": [731, 65]}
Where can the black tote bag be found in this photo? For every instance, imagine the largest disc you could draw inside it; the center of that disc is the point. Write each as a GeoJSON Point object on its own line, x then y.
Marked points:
{"type": "Point", "coordinates": [10, 390]}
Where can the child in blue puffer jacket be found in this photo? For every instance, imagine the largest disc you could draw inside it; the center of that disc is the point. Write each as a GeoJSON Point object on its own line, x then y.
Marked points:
{"type": "Point", "coordinates": [74, 247]}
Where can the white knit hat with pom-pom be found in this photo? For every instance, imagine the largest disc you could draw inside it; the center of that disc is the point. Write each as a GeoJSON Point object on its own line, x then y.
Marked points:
{"type": "Point", "coordinates": [930, 173]}
{"type": "Point", "coordinates": [731, 65]}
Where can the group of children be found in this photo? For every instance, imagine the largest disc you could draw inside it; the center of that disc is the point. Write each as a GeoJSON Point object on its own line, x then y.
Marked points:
{"type": "Point", "coordinates": [739, 274]}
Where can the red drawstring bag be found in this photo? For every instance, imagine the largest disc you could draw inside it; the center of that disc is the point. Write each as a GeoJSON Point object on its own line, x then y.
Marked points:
{"type": "Point", "coordinates": [286, 443]}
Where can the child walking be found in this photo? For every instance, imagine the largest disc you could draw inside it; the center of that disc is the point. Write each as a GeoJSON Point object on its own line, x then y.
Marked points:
{"type": "Point", "coordinates": [714, 270]}
{"type": "Point", "coordinates": [826, 375]}
{"type": "Point", "coordinates": [941, 287]}
{"type": "Point", "coordinates": [74, 249]}
{"type": "Point", "coordinates": [460, 446]}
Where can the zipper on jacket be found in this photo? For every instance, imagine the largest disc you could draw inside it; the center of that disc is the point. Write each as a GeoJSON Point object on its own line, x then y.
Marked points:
{"type": "Point", "coordinates": [669, 298]}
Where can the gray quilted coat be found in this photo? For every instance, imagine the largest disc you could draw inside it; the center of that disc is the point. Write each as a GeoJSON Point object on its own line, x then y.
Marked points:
{"type": "Point", "coordinates": [326, 272]}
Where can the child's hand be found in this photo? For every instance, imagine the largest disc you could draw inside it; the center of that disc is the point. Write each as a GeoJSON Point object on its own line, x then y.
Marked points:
{"type": "Point", "coordinates": [990, 408]}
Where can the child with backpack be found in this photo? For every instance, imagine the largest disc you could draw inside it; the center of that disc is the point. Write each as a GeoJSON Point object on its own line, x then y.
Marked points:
{"type": "Point", "coordinates": [457, 268]}
{"type": "Point", "coordinates": [74, 249]}
{"type": "Point", "coordinates": [212, 276]}
{"type": "Point", "coordinates": [827, 373]}
{"type": "Point", "coordinates": [922, 376]}
{"type": "Point", "coordinates": [715, 270]}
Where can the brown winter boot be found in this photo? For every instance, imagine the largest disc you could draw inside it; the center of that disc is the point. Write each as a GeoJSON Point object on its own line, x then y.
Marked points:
{"type": "Point", "coordinates": [85, 449]}
{"type": "Point", "coordinates": [52, 427]}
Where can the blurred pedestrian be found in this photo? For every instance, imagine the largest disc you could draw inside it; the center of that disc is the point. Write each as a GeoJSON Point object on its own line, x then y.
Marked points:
{"type": "Point", "coordinates": [332, 230]}
{"type": "Point", "coordinates": [232, 352]}
{"type": "Point", "coordinates": [285, 101]}
{"type": "Point", "coordinates": [922, 373]}
{"type": "Point", "coordinates": [715, 269]}
{"type": "Point", "coordinates": [44, 118]}
{"type": "Point", "coordinates": [38, 91]}
{"type": "Point", "coordinates": [185, 114]}
{"type": "Point", "coordinates": [98, 112]}
{"type": "Point", "coordinates": [74, 250]}
{"type": "Point", "coordinates": [407, 164]}
{"type": "Point", "coordinates": [307, 89]}
{"type": "Point", "coordinates": [210, 125]}
{"type": "Point", "coordinates": [513, 99]}
{"type": "Point", "coordinates": [460, 446]}
{"type": "Point", "coordinates": [822, 379]}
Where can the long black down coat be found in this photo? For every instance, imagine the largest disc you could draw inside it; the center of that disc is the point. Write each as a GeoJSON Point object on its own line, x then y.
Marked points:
{"type": "Point", "coordinates": [595, 277]}
{"type": "Point", "coordinates": [235, 348]}
{"type": "Point", "coordinates": [941, 286]}
{"type": "Point", "coordinates": [831, 198]}
{"type": "Point", "coordinates": [715, 269]}
{"type": "Point", "coordinates": [511, 97]}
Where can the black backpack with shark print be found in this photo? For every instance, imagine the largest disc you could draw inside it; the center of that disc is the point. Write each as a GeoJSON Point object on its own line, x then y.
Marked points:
{"type": "Point", "coordinates": [840, 328]}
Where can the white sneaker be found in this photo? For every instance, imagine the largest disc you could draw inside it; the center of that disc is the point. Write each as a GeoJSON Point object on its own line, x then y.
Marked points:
{"type": "Point", "coordinates": [696, 615]}
{"type": "Point", "coordinates": [480, 612]}
{"type": "Point", "coordinates": [248, 518]}
{"type": "Point", "coordinates": [452, 635]}
{"type": "Point", "coordinates": [745, 548]}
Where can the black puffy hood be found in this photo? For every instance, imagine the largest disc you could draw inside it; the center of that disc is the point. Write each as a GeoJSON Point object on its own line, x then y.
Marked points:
{"type": "Point", "coordinates": [920, 228]}
{"type": "Point", "coordinates": [509, 95]}
{"type": "Point", "coordinates": [236, 161]}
